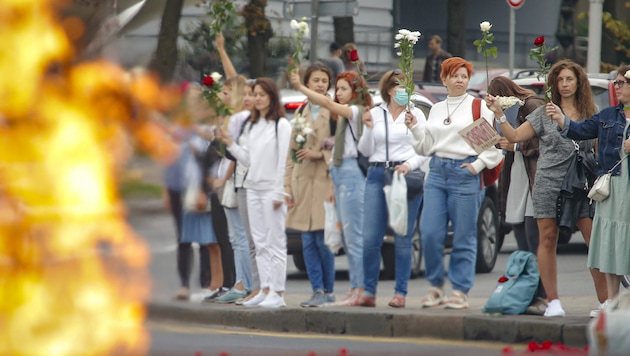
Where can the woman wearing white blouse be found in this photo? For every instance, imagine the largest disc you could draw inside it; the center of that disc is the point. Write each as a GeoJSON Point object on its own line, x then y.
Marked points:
{"type": "Point", "coordinates": [387, 143]}
{"type": "Point", "coordinates": [453, 186]}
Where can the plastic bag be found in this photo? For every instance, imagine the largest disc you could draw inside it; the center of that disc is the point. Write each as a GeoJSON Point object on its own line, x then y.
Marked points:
{"type": "Point", "coordinates": [608, 333]}
{"type": "Point", "coordinates": [332, 230]}
{"type": "Point", "coordinates": [396, 198]}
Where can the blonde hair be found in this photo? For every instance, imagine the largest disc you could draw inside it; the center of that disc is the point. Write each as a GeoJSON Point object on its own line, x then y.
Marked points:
{"type": "Point", "coordinates": [237, 84]}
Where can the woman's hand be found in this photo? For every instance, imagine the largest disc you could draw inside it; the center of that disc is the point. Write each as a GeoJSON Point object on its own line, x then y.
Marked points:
{"type": "Point", "coordinates": [331, 194]}
{"type": "Point", "coordinates": [493, 104]}
{"type": "Point", "coordinates": [470, 167]}
{"type": "Point", "coordinates": [223, 136]}
{"type": "Point", "coordinates": [554, 112]}
{"type": "Point", "coordinates": [505, 144]}
{"type": "Point", "coordinates": [367, 119]}
{"type": "Point", "coordinates": [220, 42]}
{"type": "Point", "coordinates": [410, 120]}
{"type": "Point", "coordinates": [288, 197]}
{"type": "Point", "coordinates": [201, 203]}
{"type": "Point", "coordinates": [276, 205]}
{"type": "Point", "coordinates": [626, 146]}
{"type": "Point", "coordinates": [306, 153]}
{"type": "Point", "coordinates": [403, 168]}
{"type": "Point", "coordinates": [294, 78]}
{"type": "Point", "coordinates": [328, 143]}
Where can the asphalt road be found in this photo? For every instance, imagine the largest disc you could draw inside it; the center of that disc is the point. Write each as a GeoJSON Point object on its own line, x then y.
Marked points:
{"type": "Point", "coordinates": [198, 340]}
{"type": "Point", "coordinates": [157, 229]}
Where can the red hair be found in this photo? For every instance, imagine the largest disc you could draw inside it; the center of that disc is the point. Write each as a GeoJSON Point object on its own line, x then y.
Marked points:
{"type": "Point", "coordinates": [451, 65]}
{"type": "Point", "coordinates": [355, 81]}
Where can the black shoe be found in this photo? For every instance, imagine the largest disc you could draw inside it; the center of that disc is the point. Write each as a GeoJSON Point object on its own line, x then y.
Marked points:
{"type": "Point", "coordinates": [215, 295]}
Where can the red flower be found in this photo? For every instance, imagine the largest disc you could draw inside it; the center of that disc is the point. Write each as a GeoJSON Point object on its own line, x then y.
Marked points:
{"type": "Point", "coordinates": [539, 41]}
{"type": "Point", "coordinates": [208, 81]}
{"type": "Point", "coordinates": [503, 279]}
{"type": "Point", "coordinates": [354, 55]}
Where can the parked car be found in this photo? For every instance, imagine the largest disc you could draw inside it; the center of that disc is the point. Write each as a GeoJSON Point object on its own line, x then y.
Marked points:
{"type": "Point", "coordinates": [488, 235]}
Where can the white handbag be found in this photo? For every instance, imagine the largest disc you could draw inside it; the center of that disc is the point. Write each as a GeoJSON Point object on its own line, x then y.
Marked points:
{"type": "Point", "coordinates": [601, 188]}
{"type": "Point", "coordinates": [228, 199]}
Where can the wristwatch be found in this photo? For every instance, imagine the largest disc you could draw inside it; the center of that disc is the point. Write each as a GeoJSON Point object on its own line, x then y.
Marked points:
{"type": "Point", "coordinates": [502, 119]}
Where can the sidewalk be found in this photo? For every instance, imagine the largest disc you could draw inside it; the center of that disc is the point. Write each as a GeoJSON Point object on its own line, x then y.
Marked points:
{"type": "Point", "coordinates": [413, 321]}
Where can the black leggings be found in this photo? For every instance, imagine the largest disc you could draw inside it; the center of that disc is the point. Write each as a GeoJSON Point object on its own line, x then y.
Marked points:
{"type": "Point", "coordinates": [184, 249]}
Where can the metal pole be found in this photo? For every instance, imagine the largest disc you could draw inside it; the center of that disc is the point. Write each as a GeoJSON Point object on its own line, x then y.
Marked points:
{"type": "Point", "coordinates": [593, 56]}
{"type": "Point", "coordinates": [512, 40]}
{"type": "Point", "coordinates": [314, 19]}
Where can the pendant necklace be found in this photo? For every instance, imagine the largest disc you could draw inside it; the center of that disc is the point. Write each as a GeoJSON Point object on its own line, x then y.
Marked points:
{"type": "Point", "coordinates": [448, 120]}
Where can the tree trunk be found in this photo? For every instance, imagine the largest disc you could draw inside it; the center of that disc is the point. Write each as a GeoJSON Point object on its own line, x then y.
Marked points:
{"type": "Point", "coordinates": [456, 28]}
{"type": "Point", "coordinates": [344, 29]}
{"type": "Point", "coordinates": [165, 57]}
{"type": "Point", "coordinates": [258, 34]}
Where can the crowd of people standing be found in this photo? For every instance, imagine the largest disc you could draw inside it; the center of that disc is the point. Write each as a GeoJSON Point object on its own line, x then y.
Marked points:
{"type": "Point", "coordinates": [267, 175]}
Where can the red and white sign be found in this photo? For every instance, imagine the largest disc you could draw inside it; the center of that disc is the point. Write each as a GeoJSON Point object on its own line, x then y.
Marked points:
{"type": "Point", "coordinates": [516, 4]}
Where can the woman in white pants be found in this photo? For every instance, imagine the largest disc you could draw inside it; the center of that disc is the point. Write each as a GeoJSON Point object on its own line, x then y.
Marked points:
{"type": "Point", "coordinates": [267, 138]}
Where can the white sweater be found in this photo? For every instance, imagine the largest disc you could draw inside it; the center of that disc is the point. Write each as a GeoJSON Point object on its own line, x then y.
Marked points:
{"type": "Point", "coordinates": [436, 138]}
{"type": "Point", "coordinates": [265, 155]}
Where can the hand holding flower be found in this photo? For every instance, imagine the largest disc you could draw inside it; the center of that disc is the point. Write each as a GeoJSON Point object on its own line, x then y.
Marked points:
{"type": "Point", "coordinates": [367, 119]}
{"type": "Point", "coordinates": [494, 105]}
{"type": "Point", "coordinates": [555, 113]}
{"type": "Point", "coordinates": [410, 120]}
{"type": "Point", "coordinates": [223, 136]}
{"type": "Point", "coordinates": [220, 41]}
{"type": "Point", "coordinates": [294, 78]}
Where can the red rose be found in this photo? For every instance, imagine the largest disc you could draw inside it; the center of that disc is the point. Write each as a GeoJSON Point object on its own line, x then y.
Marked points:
{"type": "Point", "coordinates": [354, 55]}
{"type": "Point", "coordinates": [208, 81]}
{"type": "Point", "coordinates": [503, 279]}
{"type": "Point", "coordinates": [539, 41]}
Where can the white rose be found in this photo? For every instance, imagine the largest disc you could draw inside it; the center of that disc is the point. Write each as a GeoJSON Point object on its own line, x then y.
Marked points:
{"type": "Point", "coordinates": [396, 45]}
{"type": "Point", "coordinates": [399, 54]}
{"type": "Point", "coordinates": [216, 77]}
{"type": "Point", "coordinates": [307, 131]}
{"type": "Point", "coordinates": [417, 34]}
{"type": "Point", "coordinates": [294, 25]}
{"type": "Point", "coordinates": [299, 139]}
{"type": "Point", "coordinates": [398, 37]}
{"type": "Point", "coordinates": [304, 26]}
{"type": "Point", "coordinates": [627, 75]}
{"type": "Point", "coordinates": [485, 26]}
{"type": "Point", "coordinates": [404, 32]}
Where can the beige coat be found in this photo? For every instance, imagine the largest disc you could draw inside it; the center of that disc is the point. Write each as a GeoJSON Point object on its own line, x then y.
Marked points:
{"type": "Point", "coordinates": [309, 182]}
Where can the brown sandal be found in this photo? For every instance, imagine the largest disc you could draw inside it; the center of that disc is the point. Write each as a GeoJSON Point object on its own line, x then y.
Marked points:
{"type": "Point", "coordinates": [398, 301]}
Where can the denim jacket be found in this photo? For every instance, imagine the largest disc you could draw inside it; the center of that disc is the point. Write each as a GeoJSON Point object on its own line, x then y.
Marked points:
{"type": "Point", "coordinates": [607, 126]}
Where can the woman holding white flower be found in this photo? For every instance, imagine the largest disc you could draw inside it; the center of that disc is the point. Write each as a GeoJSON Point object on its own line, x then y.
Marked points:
{"type": "Point", "coordinates": [569, 88]}
{"type": "Point", "coordinates": [265, 148]}
{"type": "Point", "coordinates": [306, 184]}
{"type": "Point", "coordinates": [387, 143]}
{"type": "Point", "coordinates": [351, 99]}
{"type": "Point", "coordinates": [453, 187]}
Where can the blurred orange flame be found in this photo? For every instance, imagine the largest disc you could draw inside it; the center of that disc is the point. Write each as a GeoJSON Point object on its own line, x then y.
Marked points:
{"type": "Point", "coordinates": [72, 273]}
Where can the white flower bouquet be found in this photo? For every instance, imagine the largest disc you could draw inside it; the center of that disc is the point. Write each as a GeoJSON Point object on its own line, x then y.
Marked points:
{"type": "Point", "coordinates": [406, 40]}
{"type": "Point", "coordinates": [301, 31]}
{"type": "Point", "coordinates": [301, 130]}
{"type": "Point", "coordinates": [507, 102]}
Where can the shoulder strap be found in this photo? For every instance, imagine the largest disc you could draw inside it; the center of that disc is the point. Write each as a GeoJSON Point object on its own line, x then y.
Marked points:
{"type": "Point", "coordinates": [476, 107]}
{"type": "Point", "coordinates": [386, 137]}
{"type": "Point", "coordinates": [301, 108]}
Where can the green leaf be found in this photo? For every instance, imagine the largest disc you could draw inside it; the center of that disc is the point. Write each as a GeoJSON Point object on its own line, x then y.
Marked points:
{"type": "Point", "coordinates": [495, 52]}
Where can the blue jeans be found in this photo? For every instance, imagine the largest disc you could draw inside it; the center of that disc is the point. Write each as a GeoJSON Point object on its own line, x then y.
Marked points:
{"type": "Point", "coordinates": [320, 262]}
{"type": "Point", "coordinates": [349, 185]}
{"type": "Point", "coordinates": [375, 221]}
{"type": "Point", "coordinates": [240, 245]}
{"type": "Point", "coordinates": [451, 192]}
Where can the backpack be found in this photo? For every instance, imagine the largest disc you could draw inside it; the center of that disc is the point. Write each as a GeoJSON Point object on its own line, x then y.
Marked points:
{"type": "Point", "coordinates": [517, 288]}
{"type": "Point", "coordinates": [488, 175]}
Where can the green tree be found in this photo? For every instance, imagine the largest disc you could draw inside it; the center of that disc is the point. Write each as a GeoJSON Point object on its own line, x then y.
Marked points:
{"type": "Point", "coordinates": [455, 27]}
{"type": "Point", "coordinates": [259, 33]}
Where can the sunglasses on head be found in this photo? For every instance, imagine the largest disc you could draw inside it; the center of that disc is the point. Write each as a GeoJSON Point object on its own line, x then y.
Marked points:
{"type": "Point", "coordinates": [396, 71]}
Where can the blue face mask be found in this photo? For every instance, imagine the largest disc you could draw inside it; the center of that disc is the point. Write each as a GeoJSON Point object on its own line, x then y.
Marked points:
{"type": "Point", "coordinates": [401, 97]}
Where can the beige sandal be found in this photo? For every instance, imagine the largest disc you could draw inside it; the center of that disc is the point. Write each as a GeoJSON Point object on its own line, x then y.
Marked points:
{"type": "Point", "coordinates": [458, 300]}
{"type": "Point", "coordinates": [434, 298]}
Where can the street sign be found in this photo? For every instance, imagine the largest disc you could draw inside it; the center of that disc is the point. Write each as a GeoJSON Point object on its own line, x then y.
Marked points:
{"type": "Point", "coordinates": [336, 8]}
{"type": "Point", "coordinates": [516, 4]}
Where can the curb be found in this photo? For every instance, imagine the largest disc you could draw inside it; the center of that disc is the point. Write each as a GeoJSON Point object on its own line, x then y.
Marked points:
{"type": "Point", "coordinates": [447, 325]}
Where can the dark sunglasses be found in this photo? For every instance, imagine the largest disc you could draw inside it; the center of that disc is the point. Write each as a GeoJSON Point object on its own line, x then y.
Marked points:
{"type": "Point", "coordinates": [620, 83]}
{"type": "Point", "coordinates": [396, 71]}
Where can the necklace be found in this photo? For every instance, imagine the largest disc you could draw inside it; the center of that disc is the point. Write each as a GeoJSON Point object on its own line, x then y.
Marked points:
{"type": "Point", "coordinates": [448, 120]}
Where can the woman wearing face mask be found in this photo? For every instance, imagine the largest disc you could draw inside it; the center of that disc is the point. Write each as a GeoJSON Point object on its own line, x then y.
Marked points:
{"type": "Point", "coordinates": [453, 187]}
{"type": "Point", "coordinates": [387, 143]}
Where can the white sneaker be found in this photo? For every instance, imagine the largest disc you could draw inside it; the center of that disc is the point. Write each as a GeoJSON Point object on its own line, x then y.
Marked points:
{"type": "Point", "coordinates": [554, 308]}
{"type": "Point", "coordinates": [600, 306]}
{"type": "Point", "coordinates": [254, 302]}
{"type": "Point", "coordinates": [273, 300]}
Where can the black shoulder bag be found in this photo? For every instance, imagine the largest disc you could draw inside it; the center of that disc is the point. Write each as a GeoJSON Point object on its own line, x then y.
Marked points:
{"type": "Point", "coordinates": [415, 178]}
{"type": "Point", "coordinates": [577, 182]}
